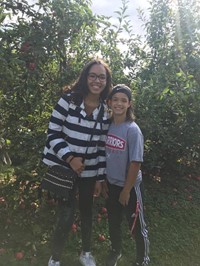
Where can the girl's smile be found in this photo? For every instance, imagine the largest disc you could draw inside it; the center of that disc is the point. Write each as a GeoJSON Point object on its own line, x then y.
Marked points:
{"type": "Point", "coordinates": [119, 104]}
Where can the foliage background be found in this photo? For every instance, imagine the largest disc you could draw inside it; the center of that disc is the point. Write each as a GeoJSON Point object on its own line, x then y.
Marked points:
{"type": "Point", "coordinates": [43, 47]}
{"type": "Point", "coordinates": [46, 46]}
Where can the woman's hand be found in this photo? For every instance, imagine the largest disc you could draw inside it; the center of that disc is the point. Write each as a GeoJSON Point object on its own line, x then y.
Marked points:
{"type": "Point", "coordinates": [77, 164]}
{"type": "Point", "coordinates": [97, 189]}
{"type": "Point", "coordinates": [104, 189]}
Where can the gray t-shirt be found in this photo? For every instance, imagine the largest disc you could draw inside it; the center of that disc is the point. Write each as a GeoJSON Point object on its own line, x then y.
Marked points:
{"type": "Point", "coordinates": [124, 143]}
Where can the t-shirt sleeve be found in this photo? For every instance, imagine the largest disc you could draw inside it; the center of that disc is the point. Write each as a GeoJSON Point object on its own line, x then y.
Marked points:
{"type": "Point", "coordinates": [135, 143]}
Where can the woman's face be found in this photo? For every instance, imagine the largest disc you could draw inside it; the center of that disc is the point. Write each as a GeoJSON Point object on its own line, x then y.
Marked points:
{"type": "Point", "coordinates": [96, 79]}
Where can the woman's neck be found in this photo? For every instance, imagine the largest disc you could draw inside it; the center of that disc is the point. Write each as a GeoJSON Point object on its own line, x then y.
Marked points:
{"type": "Point", "coordinates": [91, 99]}
{"type": "Point", "coordinates": [91, 102]}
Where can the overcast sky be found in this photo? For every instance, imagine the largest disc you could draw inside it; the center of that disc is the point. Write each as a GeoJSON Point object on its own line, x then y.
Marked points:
{"type": "Point", "coordinates": [108, 8]}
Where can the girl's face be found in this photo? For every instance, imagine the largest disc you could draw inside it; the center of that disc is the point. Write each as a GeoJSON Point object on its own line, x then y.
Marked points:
{"type": "Point", "coordinates": [96, 79]}
{"type": "Point", "coordinates": [119, 104]}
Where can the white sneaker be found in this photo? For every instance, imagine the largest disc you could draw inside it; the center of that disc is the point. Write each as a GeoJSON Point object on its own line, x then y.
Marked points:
{"type": "Point", "coordinates": [86, 259]}
{"type": "Point", "coordinates": [53, 262]}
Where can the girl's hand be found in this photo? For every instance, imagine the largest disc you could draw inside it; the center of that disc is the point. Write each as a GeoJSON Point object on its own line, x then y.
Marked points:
{"type": "Point", "coordinates": [124, 197]}
{"type": "Point", "coordinates": [97, 189]}
{"type": "Point", "coordinates": [104, 189]}
{"type": "Point", "coordinates": [77, 165]}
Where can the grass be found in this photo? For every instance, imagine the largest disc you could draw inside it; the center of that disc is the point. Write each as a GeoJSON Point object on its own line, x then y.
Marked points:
{"type": "Point", "coordinates": [172, 213]}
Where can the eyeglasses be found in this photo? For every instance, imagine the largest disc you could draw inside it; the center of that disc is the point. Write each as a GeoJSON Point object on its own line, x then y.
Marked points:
{"type": "Point", "coordinates": [93, 77]}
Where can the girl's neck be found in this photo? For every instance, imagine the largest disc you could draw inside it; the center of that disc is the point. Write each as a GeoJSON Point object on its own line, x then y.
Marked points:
{"type": "Point", "coordinates": [119, 119]}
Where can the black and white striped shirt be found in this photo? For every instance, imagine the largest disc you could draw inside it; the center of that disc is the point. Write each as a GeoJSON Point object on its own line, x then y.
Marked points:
{"type": "Point", "coordinates": [69, 133]}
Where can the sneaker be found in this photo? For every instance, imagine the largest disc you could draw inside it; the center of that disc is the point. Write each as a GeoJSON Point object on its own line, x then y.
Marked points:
{"type": "Point", "coordinates": [113, 258]}
{"type": "Point", "coordinates": [86, 259]}
{"type": "Point", "coordinates": [53, 262]}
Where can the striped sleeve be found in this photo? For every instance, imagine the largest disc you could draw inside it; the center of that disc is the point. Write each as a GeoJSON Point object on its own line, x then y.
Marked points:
{"type": "Point", "coordinates": [55, 139]}
{"type": "Point", "coordinates": [101, 150]}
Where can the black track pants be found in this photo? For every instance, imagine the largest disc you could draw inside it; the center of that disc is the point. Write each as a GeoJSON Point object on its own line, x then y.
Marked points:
{"type": "Point", "coordinates": [134, 215]}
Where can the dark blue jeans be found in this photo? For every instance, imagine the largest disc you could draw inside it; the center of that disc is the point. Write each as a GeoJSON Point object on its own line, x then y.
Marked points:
{"type": "Point", "coordinates": [66, 213]}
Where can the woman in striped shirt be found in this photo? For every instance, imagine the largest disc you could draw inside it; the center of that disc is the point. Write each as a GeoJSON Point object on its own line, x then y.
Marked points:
{"type": "Point", "coordinates": [70, 128]}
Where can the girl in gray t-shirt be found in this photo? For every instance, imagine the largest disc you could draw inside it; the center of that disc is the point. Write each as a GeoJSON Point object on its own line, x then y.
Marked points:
{"type": "Point", "coordinates": [124, 155]}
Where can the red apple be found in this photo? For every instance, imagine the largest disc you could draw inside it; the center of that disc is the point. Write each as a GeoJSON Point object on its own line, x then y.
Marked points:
{"type": "Point", "coordinates": [74, 226]}
{"type": "Point", "coordinates": [19, 255]}
{"type": "Point", "coordinates": [2, 200]}
{"type": "Point", "coordinates": [190, 197]}
{"type": "Point", "coordinates": [103, 210]}
{"type": "Point", "coordinates": [101, 237]}
{"type": "Point", "coordinates": [25, 47]}
{"type": "Point", "coordinates": [74, 230]}
{"type": "Point", "coordinates": [31, 66]}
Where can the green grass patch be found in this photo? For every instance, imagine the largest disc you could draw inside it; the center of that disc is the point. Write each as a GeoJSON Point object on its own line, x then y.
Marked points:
{"type": "Point", "coordinates": [172, 214]}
